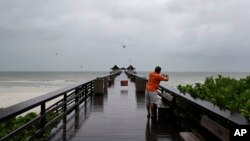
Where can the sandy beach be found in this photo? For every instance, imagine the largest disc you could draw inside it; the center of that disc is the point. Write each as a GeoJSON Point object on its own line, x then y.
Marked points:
{"type": "Point", "coordinates": [11, 96]}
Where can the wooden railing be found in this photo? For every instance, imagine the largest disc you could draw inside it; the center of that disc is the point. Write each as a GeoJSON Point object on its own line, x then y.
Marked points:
{"type": "Point", "coordinates": [199, 107]}
{"type": "Point", "coordinates": [63, 102]}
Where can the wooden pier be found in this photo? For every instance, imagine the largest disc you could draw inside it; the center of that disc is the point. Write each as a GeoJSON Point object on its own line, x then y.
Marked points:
{"type": "Point", "coordinates": [103, 109]}
{"type": "Point", "coordinates": [117, 115]}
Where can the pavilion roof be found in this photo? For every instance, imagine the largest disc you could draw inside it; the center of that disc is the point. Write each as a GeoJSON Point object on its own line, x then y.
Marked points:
{"type": "Point", "coordinates": [130, 67]}
{"type": "Point", "coordinates": [115, 67]}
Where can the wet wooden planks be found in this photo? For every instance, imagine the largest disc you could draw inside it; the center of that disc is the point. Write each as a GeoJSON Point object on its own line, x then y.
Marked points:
{"type": "Point", "coordinates": [120, 114]}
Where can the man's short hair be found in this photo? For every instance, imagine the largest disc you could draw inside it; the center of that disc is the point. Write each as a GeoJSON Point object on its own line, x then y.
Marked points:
{"type": "Point", "coordinates": [158, 69]}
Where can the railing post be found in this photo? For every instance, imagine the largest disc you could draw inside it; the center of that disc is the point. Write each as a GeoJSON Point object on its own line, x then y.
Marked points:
{"type": "Point", "coordinates": [140, 84]}
{"type": "Point", "coordinates": [77, 100]}
{"type": "Point", "coordinates": [77, 108]}
{"type": "Point", "coordinates": [43, 119]}
{"type": "Point", "coordinates": [65, 104]}
{"type": "Point", "coordinates": [85, 95]}
{"type": "Point", "coordinates": [99, 86]}
{"type": "Point", "coordinates": [92, 85]}
{"type": "Point", "coordinates": [65, 116]}
{"type": "Point", "coordinates": [91, 93]}
{"type": "Point", "coordinates": [85, 99]}
{"type": "Point", "coordinates": [111, 79]}
{"type": "Point", "coordinates": [105, 79]}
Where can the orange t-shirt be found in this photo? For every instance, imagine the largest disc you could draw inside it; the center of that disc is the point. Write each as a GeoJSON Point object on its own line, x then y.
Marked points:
{"type": "Point", "coordinates": [154, 81]}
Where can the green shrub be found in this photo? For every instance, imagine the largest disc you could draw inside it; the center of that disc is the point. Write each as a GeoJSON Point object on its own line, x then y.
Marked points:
{"type": "Point", "coordinates": [12, 124]}
{"type": "Point", "coordinates": [225, 92]}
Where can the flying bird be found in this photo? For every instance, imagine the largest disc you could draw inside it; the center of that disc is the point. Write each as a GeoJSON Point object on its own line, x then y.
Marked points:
{"type": "Point", "coordinates": [124, 46]}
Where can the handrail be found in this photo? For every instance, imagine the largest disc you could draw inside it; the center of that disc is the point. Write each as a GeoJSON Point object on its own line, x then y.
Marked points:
{"type": "Point", "coordinates": [73, 95]}
{"type": "Point", "coordinates": [233, 117]}
{"type": "Point", "coordinates": [22, 107]}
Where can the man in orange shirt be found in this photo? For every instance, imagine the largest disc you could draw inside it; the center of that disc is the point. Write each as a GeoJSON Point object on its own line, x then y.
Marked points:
{"type": "Point", "coordinates": [151, 88]}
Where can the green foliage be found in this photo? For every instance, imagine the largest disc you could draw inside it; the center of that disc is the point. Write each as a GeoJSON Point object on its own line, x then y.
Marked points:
{"type": "Point", "coordinates": [224, 92]}
{"type": "Point", "coordinates": [15, 123]}
{"type": "Point", "coordinates": [12, 124]}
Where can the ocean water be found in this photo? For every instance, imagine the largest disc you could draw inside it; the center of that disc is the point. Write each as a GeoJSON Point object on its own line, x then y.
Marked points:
{"type": "Point", "coordinates": [45, 79]}
{"type": "Point", "coordinates": [176, 78]}
{"type": "Point", "coordinates": [16, 87]}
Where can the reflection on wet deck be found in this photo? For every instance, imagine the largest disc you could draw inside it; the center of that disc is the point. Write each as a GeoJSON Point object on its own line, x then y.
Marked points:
{"type": "Point", "coordinates": [120, 114]}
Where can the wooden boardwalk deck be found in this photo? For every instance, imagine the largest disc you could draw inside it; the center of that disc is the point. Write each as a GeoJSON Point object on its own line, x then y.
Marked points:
{"type": "Point", "coordinates": [120, 114]}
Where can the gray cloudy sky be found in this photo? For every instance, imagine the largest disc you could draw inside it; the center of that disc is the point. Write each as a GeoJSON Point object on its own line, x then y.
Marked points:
{"type": "Point", "coordinates": [179, 35]}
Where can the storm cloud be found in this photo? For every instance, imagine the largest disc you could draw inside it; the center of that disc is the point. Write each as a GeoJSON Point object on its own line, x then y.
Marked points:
{"type": "Point", "coordinates": [179, 35]}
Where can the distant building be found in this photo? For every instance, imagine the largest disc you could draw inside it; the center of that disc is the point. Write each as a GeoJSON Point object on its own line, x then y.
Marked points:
{"type": "Point", "coordinates": [131, 69]}
{"type": "Point", "coordinates": [115, 69]}
{"type": "Point", "coordinates": [123, 69]}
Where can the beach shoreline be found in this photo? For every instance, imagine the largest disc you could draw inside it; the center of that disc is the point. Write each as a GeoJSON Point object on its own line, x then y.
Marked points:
{"type": "Point", "coordinates": [15, 95]}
